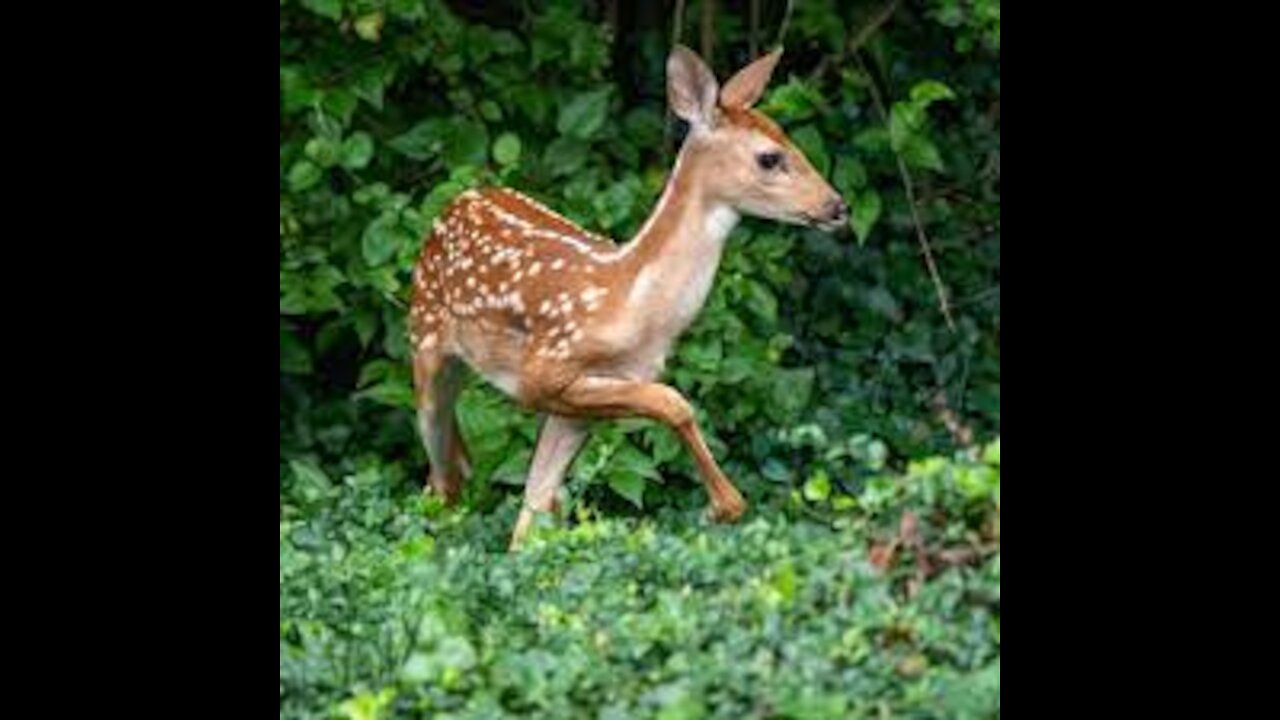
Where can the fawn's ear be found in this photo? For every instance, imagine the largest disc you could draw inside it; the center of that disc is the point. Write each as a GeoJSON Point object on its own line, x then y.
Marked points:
{"type": "Point", "coordinates": [746, 87]}
{"type": "Point", "coordinates": [691, 88]}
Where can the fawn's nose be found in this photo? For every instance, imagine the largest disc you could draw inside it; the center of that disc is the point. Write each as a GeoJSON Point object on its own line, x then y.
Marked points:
{"type": "Point", "coordinates": [836, 210]}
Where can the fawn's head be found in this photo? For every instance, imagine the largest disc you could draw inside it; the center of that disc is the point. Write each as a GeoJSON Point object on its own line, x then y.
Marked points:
{"type": "Point", "coordinates": [750, 164]}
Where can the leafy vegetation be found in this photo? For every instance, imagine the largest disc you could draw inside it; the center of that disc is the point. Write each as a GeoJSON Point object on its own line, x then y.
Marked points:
{"type": "Point", "coordinates": [820, 368]}
{"type": "Point", "coordinates": [887, 607]}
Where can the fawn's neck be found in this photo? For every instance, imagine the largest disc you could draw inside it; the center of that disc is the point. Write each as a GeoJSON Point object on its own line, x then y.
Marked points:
{"type": "Point", "coordinates": [671, 263]}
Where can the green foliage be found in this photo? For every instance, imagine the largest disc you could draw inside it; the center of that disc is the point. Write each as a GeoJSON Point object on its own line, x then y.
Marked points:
{"type": "Point", "coordinates": [814, 368]}
{"type": "Point", "coordinates": [890, 608]}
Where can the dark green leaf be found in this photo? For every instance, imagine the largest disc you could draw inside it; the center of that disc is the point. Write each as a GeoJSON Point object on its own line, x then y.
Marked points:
{"type": "Point", "coordinates": [930, 91]}
{"type": "Point", "coordinates": [919, 152]}
{"type": "Point", "coordinates": [395, 394]}
{"type": "Point", "coordinates": [357, 150]}
{"type": "Point", "coordinates": [760, 300]}
{"type": "Point", "coordinates": [628, 485]}
{"type": "Point", "coordinates": [565, 156]}
{"type": "Point", "coordinates": [850, 175]}
{"type": "Point", "coordinates": [294, 357]}
{"type": "Point", "coordinates": [304, 174]}
{"type": "Point", "coordinates": [810, 141]}
{"type": "Point", "coordinates": [308, 473]}
{"type": "Point", "coordinates": [323, 151]}
{"type": "Point", "coordinates": [491, 111]}
{"type": "Point", "coordinates": [792, 389]}
{"type": "Point", "coordinates": [584, 114]}
{"type": "Point", "coordinates": [422, 140]}
{"type": "Point", "coordinates": [865, 214]}
{"type": "Point", "coordinates": [331, 9]}
{"type": "Point", "coordinates": [468, 144]}
{"type": "Point", "coordinates": [382, 239]}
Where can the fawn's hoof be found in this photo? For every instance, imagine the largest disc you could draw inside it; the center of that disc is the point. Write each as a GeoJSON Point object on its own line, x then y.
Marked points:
{"type": "Point", "coordinates": [449, 492]}
{"type": "Point", "coordinates": [727, 512]}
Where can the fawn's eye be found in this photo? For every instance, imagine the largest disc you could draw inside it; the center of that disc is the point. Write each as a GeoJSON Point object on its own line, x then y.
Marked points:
{"type": "Point", "coordinates": [769, 160]}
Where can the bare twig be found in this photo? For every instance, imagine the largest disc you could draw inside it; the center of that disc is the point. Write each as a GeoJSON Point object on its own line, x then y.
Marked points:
{"type": "Point", "coordinates": [786, 20]}
{"type": "Point", "coordinates": [943, 303]}
{"type": "Point", "coordinates": [677, 30]}
{"type": "Point", "coordinates": [878, 19]}
{"type": "Point", "coordinates": [708, 30]}
{"type": "Point", "coordinates": [961, 433]}
{"type": "Point", "coordinates": [753, 34]}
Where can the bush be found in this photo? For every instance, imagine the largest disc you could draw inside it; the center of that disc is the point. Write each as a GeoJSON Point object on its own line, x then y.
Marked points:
{"type": "Point", "coordinates": [889, 607]}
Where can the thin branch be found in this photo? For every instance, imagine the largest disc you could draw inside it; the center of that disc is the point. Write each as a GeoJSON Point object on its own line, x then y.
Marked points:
{"type": "Point", "coordinates": [878, 19]}
{"type": "Point", "coordinates": [677, 30]}
{"type": "Point", "coordinates": [677, 23]}
{"type": "Point", "coordinates": [753, 34]}
{"type": "Point", "coordinates": [708, 30]}
{"type": "Point", "coordinates": [910, 188]}
{"type": "Point", "coordinates": [786, 20]}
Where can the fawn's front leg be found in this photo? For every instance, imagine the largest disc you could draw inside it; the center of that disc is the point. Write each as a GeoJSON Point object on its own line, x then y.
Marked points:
{"type": "Point", "coordinates": [558, 442]}
{"type": "Point", "coordinates": [595, 396]}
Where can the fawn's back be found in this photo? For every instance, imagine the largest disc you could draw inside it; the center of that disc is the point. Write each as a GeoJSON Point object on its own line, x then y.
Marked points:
{"type": "Point", "coordinates": [503, 280]}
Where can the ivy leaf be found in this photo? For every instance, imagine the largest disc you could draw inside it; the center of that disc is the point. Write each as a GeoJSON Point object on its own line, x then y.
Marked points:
{"type": "Point", "coordinates": [490, 110]}
{"type": "Point", "coordinates": [795, 100]}
{"type": "Point", "coordinates": [303, 175]}
{"type": "Point", "coordinates": [760, 300]}
{"type": "Point", "coordinates": [323, 151]}
{"type": "Point", "coordinates": [369, 27]}
{"type": "Point", "coordinates": [421, 141]}
{"type": "Point", "coordinates": [928, 92]}
{"type": "Point", "coordinates": [904, 121]}
{"type": "Point", "coordinates": [628, 485]}
{"type": "Point", "coordinates": [809, 140]}
{"type": "Point", "coordinates": [850, 175]}
{"type": "Point", "coordinates": [382, 239]}
{"type": "Point", "coordinates": [357, 151]}
{"type": "Point", "coordinates": [792, 389]}
{"type": "Point", "coordinates": [584, 115]}
{"type": "Point", "coordinates": [294, 358]}
{"type": "Point", "coordinates": [506, 149]}
{"type": "Point", "coordinates": [565, 156]}
{"type": "Point", "coordinates": [919, 151]}
{"type": "Point", "coordinates": [407, 9]}
{"type": "Point", "coordinates": [366, 323]}
{"type": "Point", "coordinates": [331, 9]}
{"type": "Point", "coordinates": [866, 211]}
{"type": "Point", "coordinates": [818, 487]}
{"type": "Point", "coordinates": [991, 453]}
{"type": "Point", "coordinates": [310, 475]}
{"type": "Point", "coordinates": [468, 144]}
{"type": "Point", "coordinates": [632, 460]}
{"type": "Point", "coordinates": [513, 469]}
{"type": "Point", "coordinates": [370, 86]}
{"type": "Point", "coordinates": [389, 392]}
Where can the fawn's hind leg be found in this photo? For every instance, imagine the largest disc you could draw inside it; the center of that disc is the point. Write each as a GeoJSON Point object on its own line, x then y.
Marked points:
{"type": "Point", "coordinates": [559, 441]}
{"type": "Point", "coordinates": [437, 378]}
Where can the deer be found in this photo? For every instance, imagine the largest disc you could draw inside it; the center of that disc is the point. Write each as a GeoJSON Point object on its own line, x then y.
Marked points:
{"type": "Point", "coordinates": [578, 328]}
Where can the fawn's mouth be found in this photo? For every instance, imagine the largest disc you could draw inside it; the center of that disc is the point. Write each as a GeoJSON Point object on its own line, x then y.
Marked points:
{"type": "Point", "coordinates": [826, 225]}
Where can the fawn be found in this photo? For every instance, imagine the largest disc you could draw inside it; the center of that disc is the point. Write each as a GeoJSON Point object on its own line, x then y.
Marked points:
{"type": "Point", "coordinates": [568, 323]}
